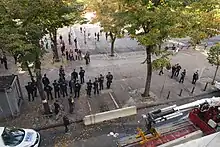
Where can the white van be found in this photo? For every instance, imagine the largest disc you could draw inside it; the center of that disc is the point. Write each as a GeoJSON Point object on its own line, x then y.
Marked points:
{"type": "Point", "coordinates": [16, 137]}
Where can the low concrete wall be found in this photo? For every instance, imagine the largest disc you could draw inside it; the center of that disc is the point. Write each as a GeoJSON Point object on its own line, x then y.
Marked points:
{"type": "Point", "coordinates": [109, 115]}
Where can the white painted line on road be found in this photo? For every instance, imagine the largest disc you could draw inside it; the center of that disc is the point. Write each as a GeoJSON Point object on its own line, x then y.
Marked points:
{"type": "Point", "coordinates": [113, 99]}
{"type": "Point", "coordinates": [129, 88]}
{"type": "Point", "coordinates": [106, 56]}
{"type": "Point", "coordinates": [90, 109]}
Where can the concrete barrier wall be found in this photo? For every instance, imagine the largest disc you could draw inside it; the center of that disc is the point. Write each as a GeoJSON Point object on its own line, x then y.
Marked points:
{"type": "Point", "coordinates": [109, 115]}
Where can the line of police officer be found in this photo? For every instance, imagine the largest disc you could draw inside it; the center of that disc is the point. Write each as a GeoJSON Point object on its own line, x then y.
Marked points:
{"type": "Point", "coordinates": [60, 87]}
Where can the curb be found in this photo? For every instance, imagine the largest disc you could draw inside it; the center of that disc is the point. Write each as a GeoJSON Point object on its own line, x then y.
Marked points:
{"type": "Point", "coordinates": [139, 107]}
{"type": "Point", "coordinates": [190, 98]}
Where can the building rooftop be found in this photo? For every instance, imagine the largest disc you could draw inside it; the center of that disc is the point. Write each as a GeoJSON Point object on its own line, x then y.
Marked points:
{"type": "Point", "coordinates": [6, 81]}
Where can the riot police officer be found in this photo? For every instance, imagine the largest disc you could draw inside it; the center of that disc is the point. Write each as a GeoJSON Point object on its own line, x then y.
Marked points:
{"type": "Point", "coordinates": [71, 85]}
{"type": "Point", "coordinates": [89, 88]}
{"type": "Point", "coordinates": [45, 80]}
{"type": "Point", "coordinates": [29, 89]}
{"type": "Point", "coordinates": [77, 89]}
{"type": "Point", "coordinates": [48, 89]}
{"type": "Point", "coordinates": [34, 86]}
{"type": "Point", "coordinates": [56, 88]}
{"type": "Point", "coordinates": [96, 86]}
{"type": "Point", "coordinates": [101, 81]}
{"type": "Point", "coordinates": [63, 87]}
{"type": "Point", "coordinates": [74, 75]}
{"type": "Point", "coordinates": [82, 74]}
{"type": "Point", "coordinates": [109, 78]}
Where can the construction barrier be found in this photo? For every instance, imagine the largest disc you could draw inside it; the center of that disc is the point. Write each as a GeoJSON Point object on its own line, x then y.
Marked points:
{"type": "Point", "coordinates": [109, 115]}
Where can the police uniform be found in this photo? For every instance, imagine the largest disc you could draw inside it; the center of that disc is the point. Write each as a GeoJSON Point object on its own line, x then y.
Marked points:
{"type": "Point", "coordinates": [96, 86]}
{"type": "Point", "coordinates": [77, 89]}
{"type": "Point", "coordinates": [48, 89]}
{"type": "Point", "coordinates": [101, 81]}
{"type": "Point", "coordinates": [74, 75]}
{"type": "Point", "coordinates": [56, 87]}
{"type": "Point", "coordinates": [89, 88]}
{"type": "Point", "coordinates": [29, 91]}
{"type": "Point", "coordinates": [82, 74]}
{"type": "Point", "coordinates": [45, 80]}
{"type": "Point", "coordinates": [109, 78]}
{"type": "Point", "coordinates": [63, 87]}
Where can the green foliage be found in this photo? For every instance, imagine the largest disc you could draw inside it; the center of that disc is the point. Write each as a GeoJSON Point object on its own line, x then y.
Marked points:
{"type": "Point", "coordinates": [107, 16]}
{"type": "Point", "coordinates": [214, 55]}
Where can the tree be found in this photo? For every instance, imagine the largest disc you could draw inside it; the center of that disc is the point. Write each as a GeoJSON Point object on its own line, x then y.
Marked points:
{"type": "Point", "coordinates": [54, 14]}
{"type": "Point", "coordinates": [151, 23]}
{"type": "Point", "coordinates": [23, 37]}
{"type": "Point", "coordinates": [106, 12]}
{"type": "Point", "coordinates": [214, 58]}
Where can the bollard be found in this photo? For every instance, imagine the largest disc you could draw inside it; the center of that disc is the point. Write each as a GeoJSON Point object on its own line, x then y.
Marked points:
{"type": "Point", "coordinates": [181, 92]}
{"type": "Point", "coordinates": [205, 86]}
{"type": "Point", "coordinates": [168, 95]}
{"type": "Point", "coordinates": [193, 89]}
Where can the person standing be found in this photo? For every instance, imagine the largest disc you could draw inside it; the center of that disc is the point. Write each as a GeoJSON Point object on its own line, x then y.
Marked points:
{"type": "Point", "coordinates": [75, 41]}
{"type": "Point", "coordinates": [89, 88]}
{"type": "Point", "coordinates": [77, 88]}
{"type": "Point", "coordinates": [178, 68]}
{"type": "Point", "coordinates": [79, 54]}
{"type": "Point", "coordinates": [173, 70]}
{"type": "Point", "coordinates": [97, 36]}
{"type": "Point", "coordinates": [71, 85]}
{"type": "Point", "coordinates": [183, 74]}
{"type": "Point", "coordinates": [109, 78]}
{"type": "Point", "coordinates": [67, 55]}
{"type": "Point", "coordinates": [69, 38]}
{"type": "Point", "coordinates": [101, 81]}
{"type": "Point", "coordinates": [56, 88]}
{"type": "Point", "coordinates": [74, 75]}
{"type": "Point", "coordinates": [71, 104]}
{"type": "Point", "coordinates": [96, 86]}
{"type": "Point", "coordinates": [195, 77]}
{"type": "Point", "coordinates": [106, 36]}
{"type": "Point", "coordinates": [45, 80]}
{"type": "Point", "coordinates": [82, 74]}
{"type": "Point", "coordinates": [48, 89]}
{"type": "Point", "coordinates": [66, 122]}
{"type": "Point", "coordinates": [63, 48]}
{"type": "Point", "coordinates": [56, 107]}
{"type": "Point", "coordinates": [63, 87]}
{"type": "Point", "coordinates": [89, 35]}
{"type": "Point", "coordinates": [29, 91]}
{"type": "Point", "coordinates": [80, 29]}
{"type": "Point", "coordinates": [71, 55]}
{"type": "Point", "coordinates": [34, 86]}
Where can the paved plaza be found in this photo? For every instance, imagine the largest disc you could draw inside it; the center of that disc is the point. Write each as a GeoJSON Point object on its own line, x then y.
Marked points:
{"type": "Point", "coordinates": [128, 84]}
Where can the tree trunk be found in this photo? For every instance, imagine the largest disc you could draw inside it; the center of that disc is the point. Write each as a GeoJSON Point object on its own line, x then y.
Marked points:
{"type": "Point", "coordinates": [216, 70]}
{"type": "Point", "coordinates": [113, 38]}
{"type": "Point", "coordinates": [29, 71]}
{"type": "Point", "coordinates": [112, 47]}
{"type": "Point", "coordinates": [40, 86]}
{"type": "Point", "coordinates": [53, 38]}
{"type": "Point", "coordinates": [149, 72]}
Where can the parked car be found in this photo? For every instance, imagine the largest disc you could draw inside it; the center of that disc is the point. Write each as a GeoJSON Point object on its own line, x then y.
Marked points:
{"type": "Point", "coordinates": [18, 137]}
